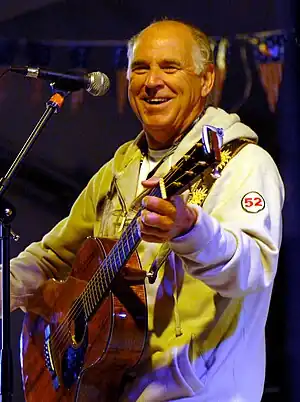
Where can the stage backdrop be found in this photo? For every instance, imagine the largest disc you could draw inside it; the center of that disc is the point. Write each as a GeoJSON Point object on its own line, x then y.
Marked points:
{"type": "Point", "coordinates": [254, 44]}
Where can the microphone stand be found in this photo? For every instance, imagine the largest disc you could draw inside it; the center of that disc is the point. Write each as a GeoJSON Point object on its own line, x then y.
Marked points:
{"type": "Point", "coordinates": [7, 214]}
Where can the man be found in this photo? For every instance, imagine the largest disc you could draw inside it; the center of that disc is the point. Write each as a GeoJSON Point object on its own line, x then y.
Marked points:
{"type": "Point", "coordinates": [208, 307]}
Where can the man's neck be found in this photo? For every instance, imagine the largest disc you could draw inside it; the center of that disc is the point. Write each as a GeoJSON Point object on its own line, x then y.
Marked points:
{"type": "Point", "coordinates": [173, 139]}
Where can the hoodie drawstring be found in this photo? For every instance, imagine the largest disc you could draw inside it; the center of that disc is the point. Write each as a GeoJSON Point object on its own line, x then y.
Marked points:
{"type": "Point", "coordinates": [178, 329]}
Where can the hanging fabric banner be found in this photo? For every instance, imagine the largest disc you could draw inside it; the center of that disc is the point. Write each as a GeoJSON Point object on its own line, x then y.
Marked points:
{"type": "Point", "coordinates": [121, 79]}
{"type": "Point", "coordinates": [7, 52]}
{"type": "Point", "coordinates": [38, 55]}
{"type": "Point", "coordinates": [220, 50]}
{"type": "Point", "coordinates": [269, 56]}
{"type": "Point", "coordinates": [79, 62]}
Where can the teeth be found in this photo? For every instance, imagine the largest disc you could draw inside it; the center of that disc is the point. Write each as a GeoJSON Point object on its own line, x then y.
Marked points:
{"type": "Point", "coordinates": [157, 100]}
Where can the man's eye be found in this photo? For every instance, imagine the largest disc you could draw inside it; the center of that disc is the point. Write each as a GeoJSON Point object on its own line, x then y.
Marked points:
{"type": "Point", "coordinates": [170, 69]}
{"type": "Point", "coordinates": [140, 70]}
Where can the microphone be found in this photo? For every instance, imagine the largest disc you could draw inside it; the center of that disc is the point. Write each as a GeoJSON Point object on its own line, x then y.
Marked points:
{"type": "Point", "coordinates": [96, 83]}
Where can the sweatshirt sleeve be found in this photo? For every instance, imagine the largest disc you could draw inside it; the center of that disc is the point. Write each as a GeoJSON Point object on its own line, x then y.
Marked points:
{"type": "Point", "coordinates": [52, 257]}
{"type": "Point", "coordinates": [234, 245]}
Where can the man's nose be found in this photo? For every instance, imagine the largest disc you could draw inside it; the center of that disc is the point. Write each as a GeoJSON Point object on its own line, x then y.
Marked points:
{"type": "Point", "coordinates": [154, 78]}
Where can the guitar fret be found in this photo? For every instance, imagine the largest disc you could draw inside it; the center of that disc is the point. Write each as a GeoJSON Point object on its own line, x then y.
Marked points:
{"type": "Point", "coordinates": [115, 264]}
{"type": "Point", "coordinates": [124, 246]}
{"type": "Point", "coordinates": [117, 259]}
{"type": "Point", "coordinates": [136, 233]}
{"type": "Point", "coordinates": [108, 270]}
{"type": "Point", "coordinates": [127, 242]}
{"type": "Point", "coordinates": [131, 240]}
{"type": "Point", "coordinates": [132, 236]}
{"type": "Point", "coordinates": [121, 252]}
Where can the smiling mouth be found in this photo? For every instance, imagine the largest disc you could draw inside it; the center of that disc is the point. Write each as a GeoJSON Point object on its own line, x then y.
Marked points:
{"type": "Point", "coordinates": [157, 101]}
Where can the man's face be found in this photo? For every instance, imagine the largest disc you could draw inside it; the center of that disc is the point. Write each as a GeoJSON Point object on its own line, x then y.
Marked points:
{"type": "Point", "coordinates": [164, 91]}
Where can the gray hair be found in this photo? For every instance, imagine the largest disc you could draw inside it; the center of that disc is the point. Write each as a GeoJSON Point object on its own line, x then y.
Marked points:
{"type": "Point", "coordinates": [202, 52]}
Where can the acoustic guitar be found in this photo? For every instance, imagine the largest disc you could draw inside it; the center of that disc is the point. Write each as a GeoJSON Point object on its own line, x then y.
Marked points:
{"type": "Point", "coordinates": [82, 335]}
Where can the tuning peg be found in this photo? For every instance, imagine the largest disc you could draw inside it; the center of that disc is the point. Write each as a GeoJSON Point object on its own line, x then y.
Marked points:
{"type": "Point", "coordinates": [198, 145]}
{"type": "Point", "coordinates": [177, 184]}
{"type": "Point", "coordinates": [190, 173]}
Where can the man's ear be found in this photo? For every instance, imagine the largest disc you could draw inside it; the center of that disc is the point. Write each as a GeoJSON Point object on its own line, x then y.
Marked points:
{"type": "Point", "coordinates": [208, 77]}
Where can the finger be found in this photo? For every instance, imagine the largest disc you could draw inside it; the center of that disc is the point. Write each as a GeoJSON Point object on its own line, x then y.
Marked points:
{"type": "Point", "coordinates": [155, 220]}
{"type": "Point", "coordinates": [152, 182]}
{"type": "Point", "coordinates": [152, 234]}
{"type": "Point", "coordinates": [178, 202]}
{"type": "Point", "coordinates": [161, 207]}
{"type": "Point", "coordinates": [153, 239]}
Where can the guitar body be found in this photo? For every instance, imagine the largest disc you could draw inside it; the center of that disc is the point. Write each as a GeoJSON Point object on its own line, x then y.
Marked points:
{"type": "Point", "coordinates": [68, 358]}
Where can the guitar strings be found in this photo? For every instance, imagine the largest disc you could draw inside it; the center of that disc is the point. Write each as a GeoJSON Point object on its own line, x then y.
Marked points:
{"type": "Point", "coordinates": [98, 279]}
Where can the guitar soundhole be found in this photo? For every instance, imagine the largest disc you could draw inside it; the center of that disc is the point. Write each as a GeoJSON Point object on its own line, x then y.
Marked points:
{"type": "Point", "coordinates": [73, 358]}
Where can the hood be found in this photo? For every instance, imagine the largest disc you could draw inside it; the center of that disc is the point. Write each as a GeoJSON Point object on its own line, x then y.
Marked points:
{"type": "Point", "coordinates": [218, 118]}
{"type": "Point", "coordinates": [229, 122]}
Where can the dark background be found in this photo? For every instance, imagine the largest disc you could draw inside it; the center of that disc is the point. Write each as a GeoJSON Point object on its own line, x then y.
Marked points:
{"type": "Point", "coordinates": [76, 143]}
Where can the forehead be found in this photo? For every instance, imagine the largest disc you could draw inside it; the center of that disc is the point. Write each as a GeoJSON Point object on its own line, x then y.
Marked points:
{"type": "Point", "coordinates": [164, 41]}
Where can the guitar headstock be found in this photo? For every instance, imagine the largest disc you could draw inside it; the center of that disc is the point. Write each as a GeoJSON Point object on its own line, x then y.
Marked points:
{"type": "Point", "coordinates": [205, 153]}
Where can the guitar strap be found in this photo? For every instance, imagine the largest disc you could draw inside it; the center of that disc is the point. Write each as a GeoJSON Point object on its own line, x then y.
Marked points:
{"type": "Point", "coordinates": [198, 193]}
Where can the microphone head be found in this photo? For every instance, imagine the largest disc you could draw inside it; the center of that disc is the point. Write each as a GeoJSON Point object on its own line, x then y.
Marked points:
{"type": "Point", "coordinates": [98, 83]}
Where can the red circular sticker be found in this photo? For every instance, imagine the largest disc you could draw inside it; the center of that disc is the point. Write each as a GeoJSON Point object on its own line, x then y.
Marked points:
{"type": "Point", "coordinates": [253, 202]}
